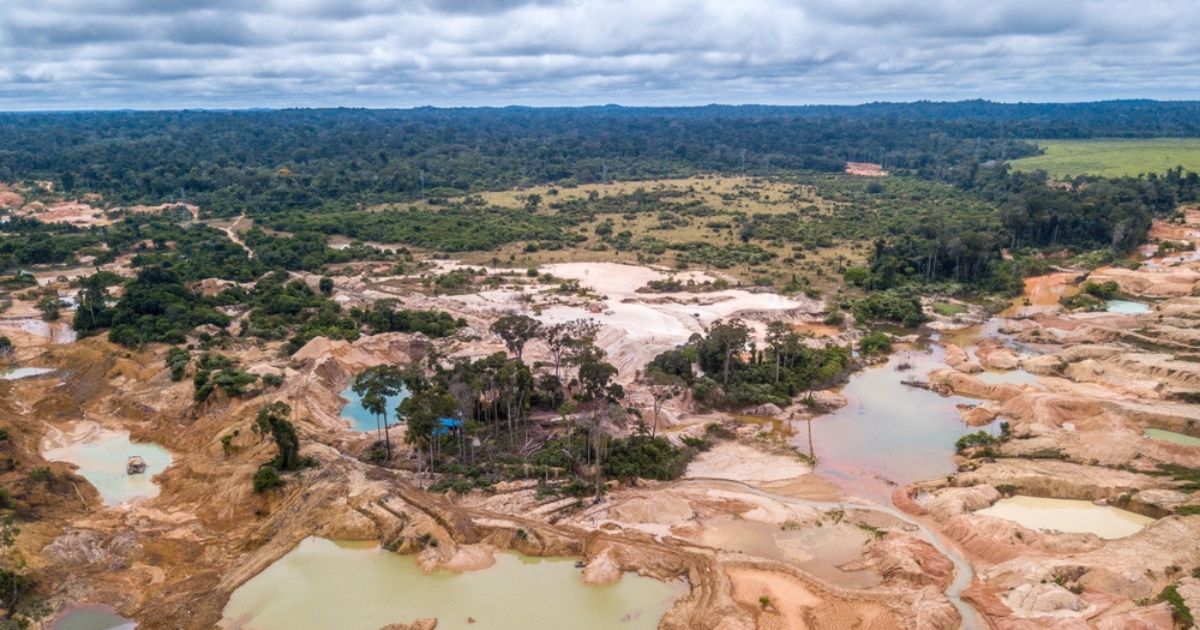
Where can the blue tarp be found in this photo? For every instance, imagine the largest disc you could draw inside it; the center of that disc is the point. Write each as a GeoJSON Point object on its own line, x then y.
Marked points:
{"type": "Point", "coordinates": [446, 424]}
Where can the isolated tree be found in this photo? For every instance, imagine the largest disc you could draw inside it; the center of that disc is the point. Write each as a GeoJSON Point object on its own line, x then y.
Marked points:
{"type": "Point", "coordinates": [595, 375]}
{"type": "Point", "coordinates": [325, 284]}
{"type": "Point", "coordinates": [663, 387]}
{"type": "Point", "coordinates": [6, 347]}
{"type": "Point", "coordinates": [568, 339]}
{"type": "Point", "coordinates": [375, 385]}
{"type": "Point", "coordinates": [273, 419]}
{"type": "Point", "coordinates": [731, 338]}
{"type": "Point", "coordinates": [516, 330]}
{"type": "Point", "coordinates": [598, 439]}
{"type": "Point", "coordinates": [777, 332]}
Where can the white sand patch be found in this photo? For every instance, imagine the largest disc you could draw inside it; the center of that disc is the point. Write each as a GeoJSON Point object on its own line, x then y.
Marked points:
{"type": "Point", "coordinates": [638, 326]}
{"type": "Point", "coordinates": [730, 460]}
{"type": "Point", "coordinates": [617, 278]}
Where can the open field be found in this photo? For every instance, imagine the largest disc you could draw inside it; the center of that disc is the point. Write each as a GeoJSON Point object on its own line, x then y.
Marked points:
{"type": "Point", "coordinates": [730, 199]}
{"type": "Point", "coordinates": [1112, 158]}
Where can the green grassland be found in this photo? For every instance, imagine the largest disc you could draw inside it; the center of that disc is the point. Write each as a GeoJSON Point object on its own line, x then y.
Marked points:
{"type": "Point", "coordinates": [1112, 158]}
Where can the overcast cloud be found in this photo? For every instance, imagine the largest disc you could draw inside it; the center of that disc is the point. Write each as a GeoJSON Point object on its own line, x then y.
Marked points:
{"type": "Point", "coordinates": [273, 53]}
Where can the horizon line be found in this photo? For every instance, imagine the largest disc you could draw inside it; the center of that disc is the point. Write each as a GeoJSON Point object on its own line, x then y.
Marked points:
{"type": "Point", "coordinates": [279, 108]}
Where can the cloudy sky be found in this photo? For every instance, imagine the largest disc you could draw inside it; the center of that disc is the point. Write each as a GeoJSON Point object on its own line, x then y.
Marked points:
{"type": "Point", "coordinates": [74, 54]}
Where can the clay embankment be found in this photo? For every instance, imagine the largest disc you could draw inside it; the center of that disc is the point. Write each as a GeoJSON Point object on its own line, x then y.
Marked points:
{"type": "Point", "coordinates": [1078, 432]}
{"type": "Point", "coordinates": [173, 560]}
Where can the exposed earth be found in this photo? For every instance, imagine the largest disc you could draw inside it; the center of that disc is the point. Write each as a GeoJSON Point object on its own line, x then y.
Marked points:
{"type": "Point", "coordinates": [738, 528]}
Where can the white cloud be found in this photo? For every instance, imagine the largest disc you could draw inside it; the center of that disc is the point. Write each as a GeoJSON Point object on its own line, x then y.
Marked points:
{"type": "Point", "coordinates": [229, 53]}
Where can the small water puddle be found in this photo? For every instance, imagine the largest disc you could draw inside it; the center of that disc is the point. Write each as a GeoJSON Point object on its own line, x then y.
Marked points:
{"type": "Point", "coordinates": [310, 589]}
{"type": "Point", "coordinates": [25, 372]}
{"type": "Point", "coordinates": [1068, 515]}
{"type": "Point", "coordinates": [57, 332]}
{"type": "Point", "coordinates": [91, 618]}
{"type": "Point", "coordinates": [818, 549]}
{"type": "Point", "coordinates": [1171, 436]}
{"type": "Point", "coordinates": [363, 420]}
{"type": "Point", "coordinates": [1012, 377]}
{"type": "Point", "coordinates": [102, 455]}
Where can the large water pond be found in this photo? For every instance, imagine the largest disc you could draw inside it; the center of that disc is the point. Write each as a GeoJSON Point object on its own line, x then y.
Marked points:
{"type": "Point", "coordinates": [1171, 436]}
{"type": "Point", "coordinates": [889, 433]}
{"type": "Point", "coordinates": [102, 455]}
{"type": "Point", "coordinates": [354, 586]}
{"type": "Point", "coordinates": [363, 420]}
{"type": "Point", "coordinates": [1127, 307]}
{"type": "Point", "coordinates": [1066, 515]}
{"type": "Point", "coordinates": [91, 618]}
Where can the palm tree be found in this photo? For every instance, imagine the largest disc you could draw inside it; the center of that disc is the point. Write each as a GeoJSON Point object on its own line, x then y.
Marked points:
{"type": "Point", "coordinates": [375, 385]}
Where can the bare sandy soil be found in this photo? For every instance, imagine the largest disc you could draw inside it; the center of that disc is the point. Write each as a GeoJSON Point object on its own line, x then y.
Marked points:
{"type": "Point", "coordinates": [865, 169]}
{"type": "Point", "coordinates": [173, 560]}
{"type": "Point", "coordinates": [1079, 432]}
{"type": "Point", "coordinates": [730, 460]}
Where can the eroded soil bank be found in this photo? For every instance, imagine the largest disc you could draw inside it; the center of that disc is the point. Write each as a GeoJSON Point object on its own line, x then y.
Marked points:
{"type": "Point", "coordinates": [753, 518]}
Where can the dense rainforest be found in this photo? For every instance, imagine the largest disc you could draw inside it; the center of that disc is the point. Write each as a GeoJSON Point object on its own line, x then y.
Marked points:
{"type": "Point", "coordinates": [261, 161]}
{"type": "Point", "coordinates": [312, 173]}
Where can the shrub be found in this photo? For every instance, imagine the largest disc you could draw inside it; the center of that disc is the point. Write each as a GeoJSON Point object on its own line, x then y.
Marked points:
{"type": "Point", "coordinates": [266, 478]}
{"type": "Point", "coordinates": [891, 305]}
{"type": "Point", "coordinates": [1179, 609]}
{"type": "Point", "coordinates": [856, 276]}
{"type": "Point", "coordinates": [642, 456]}
{"type": "Point", "coordinates": [978, 438]}
{"type": "Point", "coordinates": [1103, 290]}
{"type": "Point", "coordinates": [177, 361]}
{"type": "Point", "coordinates": [875, 343]}
{"type": "Point", "coordinates": [947, 309]}
{"type": "Point", "coordinates": [1082, 302]}
{"type": "Point", "coordinates": [41, 474]}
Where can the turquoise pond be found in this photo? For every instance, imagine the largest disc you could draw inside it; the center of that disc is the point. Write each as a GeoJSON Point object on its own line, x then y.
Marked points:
{"type": "Point", "coordinates": [1127, 307]}
{"type": "Point", "coordinates": [363, 420]}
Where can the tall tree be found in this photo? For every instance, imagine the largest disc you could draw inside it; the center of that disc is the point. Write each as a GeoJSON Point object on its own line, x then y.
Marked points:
{"type": "Point", "coordinates": [516, 330]}
{"type": "Point", "coordinates": [731, 337]}
{"type": "Point", "coordinates": [375, 385]}
{"type": "Point", "coordinates": [777, 332]}
{"type": "Point", "coordinates": [424, 411]}
{"type": "Point", "coordinates": [93, 312]}
{"type": "Point", "coordinates": [568, 339]}
{"type": "Point", "coordinates": [663, 387]}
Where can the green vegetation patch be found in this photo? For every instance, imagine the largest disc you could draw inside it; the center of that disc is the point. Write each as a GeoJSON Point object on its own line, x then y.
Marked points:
{"type": "Point", "coordinates": [1064, 159]}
